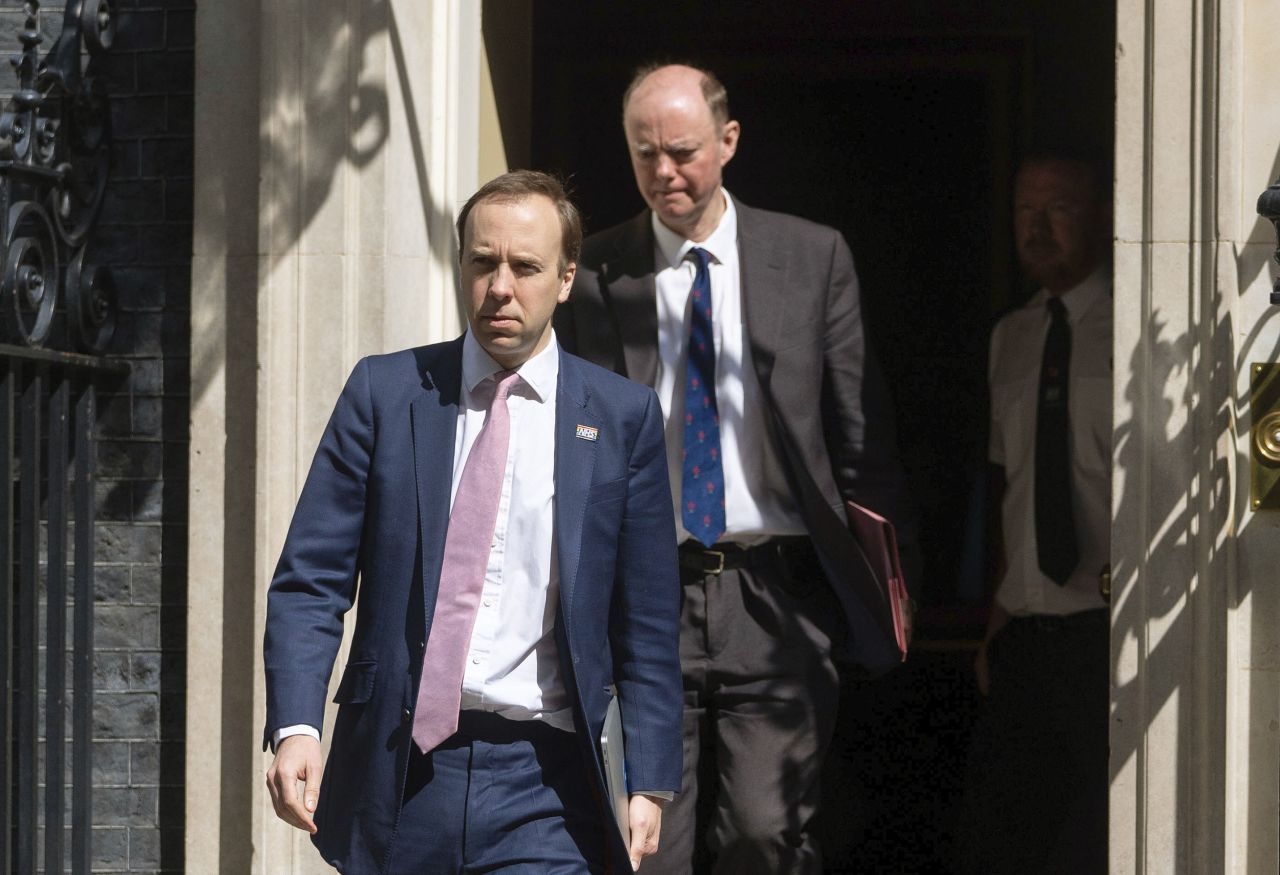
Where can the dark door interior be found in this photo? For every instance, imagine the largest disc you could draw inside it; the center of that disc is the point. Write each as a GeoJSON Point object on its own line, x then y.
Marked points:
{"type": "Point", "coordinates": [899, 123]}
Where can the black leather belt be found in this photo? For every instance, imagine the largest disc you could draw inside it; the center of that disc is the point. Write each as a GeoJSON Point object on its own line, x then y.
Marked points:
{"type": "Point", "coordinates": [727, 556]}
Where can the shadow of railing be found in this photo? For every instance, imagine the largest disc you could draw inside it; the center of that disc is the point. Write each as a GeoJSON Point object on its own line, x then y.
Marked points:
{"type": "Point", "coordinates": [1181, 496]}
{"type": "Point", "coordinates": [314, 132]}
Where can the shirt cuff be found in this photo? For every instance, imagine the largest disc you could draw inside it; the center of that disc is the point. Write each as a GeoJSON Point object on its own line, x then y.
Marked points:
{"type": "Point", "coordinates": [297, 729]}
{"type": "Point", "coordinates": [664, 795]}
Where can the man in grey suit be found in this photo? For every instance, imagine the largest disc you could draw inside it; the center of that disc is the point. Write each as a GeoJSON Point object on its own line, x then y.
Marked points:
{"type": "Point", "coordinates": [748, 324]}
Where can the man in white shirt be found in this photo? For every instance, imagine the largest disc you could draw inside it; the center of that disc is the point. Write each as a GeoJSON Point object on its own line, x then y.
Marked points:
{"type": "Point", "coordinates": [748, 324]}
{"type": "Point", "coordinates": [505, 510]}
{"type": "Point", "coordinates": [1037, 793]}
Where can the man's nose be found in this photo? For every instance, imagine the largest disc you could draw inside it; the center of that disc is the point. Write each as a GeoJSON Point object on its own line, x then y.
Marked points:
{"type": "Point", "coordinates": [501, 282]}
{"type": "Point", "coordinates": [666, 168]}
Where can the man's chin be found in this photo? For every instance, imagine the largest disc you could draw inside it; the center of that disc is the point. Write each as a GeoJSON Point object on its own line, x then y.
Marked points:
{"type": "Point", "coordinates": [1042, 273]}
{"type": "Point", "coordinates": [500, 347]}
{"type": "Point", "coordinates": [674, 217]}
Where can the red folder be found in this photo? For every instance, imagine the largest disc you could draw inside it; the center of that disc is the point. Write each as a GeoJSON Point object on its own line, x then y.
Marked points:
{"type": "Point", "coordinates": [879, 544]}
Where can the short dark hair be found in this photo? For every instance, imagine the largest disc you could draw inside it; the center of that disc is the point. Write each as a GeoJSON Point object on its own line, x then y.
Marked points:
{"type": "Point", "coordinates": [520, 184]}
{"type": "Point", "coordinates": [1097, 171]}
{"type": "Point", "coordinates": [713, 90]}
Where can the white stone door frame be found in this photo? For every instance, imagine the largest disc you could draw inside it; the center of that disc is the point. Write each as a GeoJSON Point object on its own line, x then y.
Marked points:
{"type": "Point", "coordinates": [1195, 731]}
{"type": "Point", "coordinates": [334, 140]}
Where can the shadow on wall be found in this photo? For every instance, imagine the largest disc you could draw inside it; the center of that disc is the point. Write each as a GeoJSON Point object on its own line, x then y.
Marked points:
{"type": "Point", "coordinates": [1181, 522]}
{"type": "Point", "coordinates": [343, 115]}
{"type": "Point", "coordinates": [340, 124]}
{"type": "Point", "coordinates": [338, 118]}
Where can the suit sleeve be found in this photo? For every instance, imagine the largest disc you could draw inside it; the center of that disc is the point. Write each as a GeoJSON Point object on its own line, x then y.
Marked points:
{"type": "Point", "coordinates": [858, 416]}
{"type": "Point", "coordinates": [645, 620]}
{"type": "Point", "coordinates": [315, 580]}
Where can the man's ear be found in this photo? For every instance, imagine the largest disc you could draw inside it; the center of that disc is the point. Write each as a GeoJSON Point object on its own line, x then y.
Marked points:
{"type": "Point", "coordinates": [566, 282]}
{"type": "Point", "coordinates": [729, 141]}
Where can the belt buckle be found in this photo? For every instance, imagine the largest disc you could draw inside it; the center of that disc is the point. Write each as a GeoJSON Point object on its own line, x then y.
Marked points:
{"type": "Point", "coordinates": [719, 568]}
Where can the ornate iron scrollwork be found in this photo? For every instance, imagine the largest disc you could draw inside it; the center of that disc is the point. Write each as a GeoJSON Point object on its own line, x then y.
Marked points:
{"type": "Point", "coordinates": [1269, 209]}
{"type": "Point", "coordinates": [55, 157]}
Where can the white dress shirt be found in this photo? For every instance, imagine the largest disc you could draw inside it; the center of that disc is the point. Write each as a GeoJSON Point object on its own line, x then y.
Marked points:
{"type": "Point", "coordinates": [512, 666]}
{"type": "Point", "coordinates": [1017, 346]}
{"type": "Point", "coordinates": [758, 503]}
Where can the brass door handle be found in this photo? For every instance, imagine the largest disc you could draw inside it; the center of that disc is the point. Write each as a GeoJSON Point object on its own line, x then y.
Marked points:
{"type": "Point", "coordinates": [1266, 435]}
{"type": "Point", "coordinates": [1264, 444]}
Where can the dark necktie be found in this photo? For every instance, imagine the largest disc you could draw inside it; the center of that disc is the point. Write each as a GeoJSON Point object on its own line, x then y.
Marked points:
{"type": "Point", "coordinates": [1055, 524]}
{"type": "Point", "coordinates": [702, 484]}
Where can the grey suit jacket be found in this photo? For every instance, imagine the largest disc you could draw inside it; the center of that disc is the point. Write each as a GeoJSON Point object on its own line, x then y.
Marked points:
{"type": "Point", "coordinates": [830, 415]}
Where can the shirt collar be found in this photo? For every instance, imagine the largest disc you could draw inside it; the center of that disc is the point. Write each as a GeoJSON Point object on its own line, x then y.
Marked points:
{"type": "Point", "coordinates": [1079, 299]}
{"type": "Point", "coordinates": [723, 240]}
{"type": "Point", "coordinates": [539, 373]}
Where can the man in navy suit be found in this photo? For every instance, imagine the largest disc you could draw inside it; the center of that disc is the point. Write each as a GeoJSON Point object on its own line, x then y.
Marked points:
{"type": "Point", "coordinates": [503, 509]}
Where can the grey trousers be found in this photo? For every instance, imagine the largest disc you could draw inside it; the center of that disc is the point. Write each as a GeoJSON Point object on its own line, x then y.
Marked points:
{"type": "Point", "coordinates": [760, 694]}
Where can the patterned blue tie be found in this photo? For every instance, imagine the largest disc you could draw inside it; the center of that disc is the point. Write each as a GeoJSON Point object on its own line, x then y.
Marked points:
{"type": "Point", "coordinates": [702, 490]}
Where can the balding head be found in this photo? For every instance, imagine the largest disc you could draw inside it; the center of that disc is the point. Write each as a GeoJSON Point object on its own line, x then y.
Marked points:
{"type": "Point", "coordinates": [714, 94]}
{"type": "Point", "coordinates": [678, 145]}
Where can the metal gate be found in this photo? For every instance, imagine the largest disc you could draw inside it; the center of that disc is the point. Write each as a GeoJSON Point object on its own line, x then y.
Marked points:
{"type": "Point", "coordinates": [47, 417]}
{"type": "Point", "coordinates": [55, 144]}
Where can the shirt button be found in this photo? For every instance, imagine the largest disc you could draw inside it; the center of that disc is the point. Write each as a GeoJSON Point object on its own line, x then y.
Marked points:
{"type": "Point", "coordinates": [488, 603]}
{"type": "Point", "coordinates": [475, 660]}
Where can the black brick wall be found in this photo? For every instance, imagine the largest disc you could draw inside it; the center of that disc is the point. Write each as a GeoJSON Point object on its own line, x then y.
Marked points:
{"type": "Point", "coordinates": [144, 235]}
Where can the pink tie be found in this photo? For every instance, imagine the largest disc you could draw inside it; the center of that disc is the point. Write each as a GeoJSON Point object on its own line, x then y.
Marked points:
{"type": "Point", "coordinates": [466, 555]}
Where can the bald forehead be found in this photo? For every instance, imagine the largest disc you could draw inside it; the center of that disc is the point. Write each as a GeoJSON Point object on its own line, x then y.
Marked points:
{"type": "Point", "coordinates": [673, 84]}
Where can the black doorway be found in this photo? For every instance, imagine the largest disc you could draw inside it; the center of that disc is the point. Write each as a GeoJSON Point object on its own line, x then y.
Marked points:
{"type": "Point", "coordinates": [900, 123]}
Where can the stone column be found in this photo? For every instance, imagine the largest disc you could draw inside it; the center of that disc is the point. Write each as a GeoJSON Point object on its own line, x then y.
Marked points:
{"type": "Point", "coordinates": [334, 140]}
{"type": "Point", "coordinates": [1195, 730]}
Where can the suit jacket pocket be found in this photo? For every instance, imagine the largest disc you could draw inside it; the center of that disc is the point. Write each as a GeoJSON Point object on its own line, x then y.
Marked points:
{"type": "Point", "coordinates": [357, 683]}
{"type": "Point", "coordinates": [607, 491]}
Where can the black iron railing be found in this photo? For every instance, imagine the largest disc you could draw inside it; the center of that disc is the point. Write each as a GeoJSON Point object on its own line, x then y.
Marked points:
{"type": "Point", "coordinates": [55, 147]}
{"type": "Point", "coordinates": [47, 416]}
{"type": "Point", "coordinates": [1269, 209]}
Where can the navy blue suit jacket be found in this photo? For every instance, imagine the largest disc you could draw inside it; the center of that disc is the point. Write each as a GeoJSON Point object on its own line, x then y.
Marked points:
{"type": "Point", "coordinates": [372, 517]}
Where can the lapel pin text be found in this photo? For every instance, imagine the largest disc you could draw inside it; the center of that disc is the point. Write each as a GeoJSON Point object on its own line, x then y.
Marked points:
{"type": "Point", "coordinates": [587, 433]}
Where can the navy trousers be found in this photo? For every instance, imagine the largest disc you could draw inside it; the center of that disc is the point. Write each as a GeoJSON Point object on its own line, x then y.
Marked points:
{"type": "Point", "coordinates": [499, 796]}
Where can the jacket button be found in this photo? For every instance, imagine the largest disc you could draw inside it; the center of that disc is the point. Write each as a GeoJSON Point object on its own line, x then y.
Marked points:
{"type": "Point", "coordinates": [406, 715]}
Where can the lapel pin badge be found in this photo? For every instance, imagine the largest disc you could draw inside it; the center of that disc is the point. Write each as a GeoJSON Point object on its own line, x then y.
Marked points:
{"type": "Point", "coordinates": [587, 433]}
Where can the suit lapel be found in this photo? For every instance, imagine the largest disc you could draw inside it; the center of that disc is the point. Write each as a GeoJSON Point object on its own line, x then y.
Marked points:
{"type": "Point", "coordinates": [434, 419]}
{"type": "Point", "coordinates": [628, 281]}
{"type": "Point", "coordinates": [763, 283]}
{"type": "Point", "coordinates": [574, 466]}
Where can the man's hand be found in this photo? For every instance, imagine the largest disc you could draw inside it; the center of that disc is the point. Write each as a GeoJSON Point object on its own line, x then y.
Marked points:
{"type": "Point", "coordinates": [645, 816]}
{"type": "Point", "coordinates": [997, 620]}
{"type": "Point", "coordinates": [298, 759]}
{"type": "Point", "coordinates": [981, 670]}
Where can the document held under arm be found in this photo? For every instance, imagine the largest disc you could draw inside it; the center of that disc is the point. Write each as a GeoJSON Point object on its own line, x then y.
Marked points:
{"type": "Point", "coordinates": [613, 752]}
{"type": "Point", "coordinates": [879, 544]}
